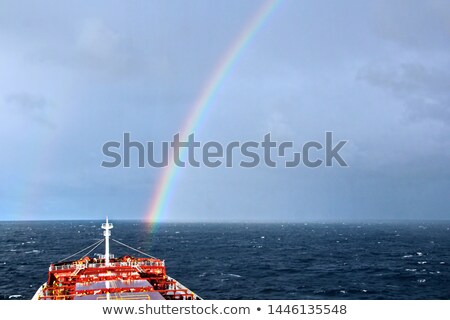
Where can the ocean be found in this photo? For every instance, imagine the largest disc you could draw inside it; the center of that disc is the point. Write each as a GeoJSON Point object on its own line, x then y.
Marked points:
{"type": "Point", "coordinates": [403, 260]}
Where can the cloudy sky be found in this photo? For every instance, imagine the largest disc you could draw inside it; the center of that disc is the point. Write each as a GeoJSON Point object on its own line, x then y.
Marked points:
{"type": "Point", "coordinates": [376, 73]}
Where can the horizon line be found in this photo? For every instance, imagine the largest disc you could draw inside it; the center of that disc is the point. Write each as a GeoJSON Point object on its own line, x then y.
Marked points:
{"type": "Point", "coordinates": [345, 220]}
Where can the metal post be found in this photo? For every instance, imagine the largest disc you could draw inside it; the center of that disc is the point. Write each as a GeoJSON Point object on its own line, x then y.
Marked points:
{"type": "Point", "coordinates": [107, 226]}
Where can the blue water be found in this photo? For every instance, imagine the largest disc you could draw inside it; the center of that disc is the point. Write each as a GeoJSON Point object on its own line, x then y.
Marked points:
{"type": "Point", "coordinates": [251, 261]}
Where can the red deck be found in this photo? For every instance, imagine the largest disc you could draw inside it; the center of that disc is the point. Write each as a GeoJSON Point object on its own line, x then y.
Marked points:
{"type": "Point", "coordinates": [123, 278]}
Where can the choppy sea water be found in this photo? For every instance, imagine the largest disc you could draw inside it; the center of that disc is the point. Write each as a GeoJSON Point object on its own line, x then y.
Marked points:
{"type": "Point", "coordinates": [251, 261]}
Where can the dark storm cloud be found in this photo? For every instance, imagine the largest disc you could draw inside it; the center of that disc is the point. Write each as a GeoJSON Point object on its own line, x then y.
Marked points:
{"type": "Point", "coordinates": [425, 90]}
{"type": "Point", "coordinates": [418, 71]}
{"type": "Point", "coordinates": [415, 24]}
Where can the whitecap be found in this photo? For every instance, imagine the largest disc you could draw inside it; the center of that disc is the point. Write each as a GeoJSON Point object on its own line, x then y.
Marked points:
{"type": "Point", "coordinates": [15, 296]}
{"type": "Point", "coordinates": [421, 262]}
{"type": "Point", "coordinates": [419, 254]}
{"type": "Point", "coordinates": [411, 270]}
{"type": "Point", "coordinates": [262, 237]}
{"type": "Point", "coordinates": [234, 275]}
{"type": "Point", "coordinates": [421, 280]}
{"type": "Point", "coordinates": [319, 291]}
{"type": "Point", "coordinates": [407, 256]}
{"type": "Point", "coordinates": [33, 251]}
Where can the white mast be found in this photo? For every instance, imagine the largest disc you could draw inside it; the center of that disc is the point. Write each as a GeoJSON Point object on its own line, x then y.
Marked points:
{"type": "Point", "coordinates": [107, 226]}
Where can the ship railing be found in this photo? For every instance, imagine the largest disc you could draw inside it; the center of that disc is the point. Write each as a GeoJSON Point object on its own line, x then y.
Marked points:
{"type": "Point", "coordinates": [177, 285]}
{"type": "Point", "coordinates": [111, 264]}
{"type": "Point", "coordinates": [64, 267]}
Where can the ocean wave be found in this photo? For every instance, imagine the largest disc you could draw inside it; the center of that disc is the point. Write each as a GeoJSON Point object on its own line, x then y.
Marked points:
{"type": "Point", "coordinates": [234, 275]}
{"type": "Point", "coordinates": [33, 251]}
{"type": "Point", "coordinates": [422, 280]}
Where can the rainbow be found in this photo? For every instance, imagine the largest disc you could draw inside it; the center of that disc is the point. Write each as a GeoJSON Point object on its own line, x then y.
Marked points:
{"type": "Point", "coordinates": [203, 101]}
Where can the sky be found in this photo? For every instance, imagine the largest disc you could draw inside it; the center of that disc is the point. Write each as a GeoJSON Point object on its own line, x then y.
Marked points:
{"type": "Point", "coordinates": [74, 75]}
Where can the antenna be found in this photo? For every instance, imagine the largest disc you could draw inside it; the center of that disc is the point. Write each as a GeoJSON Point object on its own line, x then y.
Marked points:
{"type": "Point", "coordinates": [107, 226]}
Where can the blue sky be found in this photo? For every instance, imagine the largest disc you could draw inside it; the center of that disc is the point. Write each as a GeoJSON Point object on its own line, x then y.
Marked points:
{"type": "Point", "coordinates": [73, 76]}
